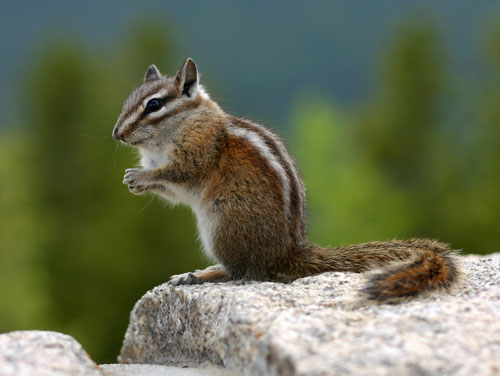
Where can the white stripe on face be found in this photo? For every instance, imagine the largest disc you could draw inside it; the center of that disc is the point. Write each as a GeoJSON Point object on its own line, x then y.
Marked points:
{"type": "Point", "coordinates": [159, 94]}
{"type": "Point", "coordinates": [169, 106]}
{"type": "Point", "coordinates": [132, 118]}
{"type": "Point", "coordinates": [264, 150]}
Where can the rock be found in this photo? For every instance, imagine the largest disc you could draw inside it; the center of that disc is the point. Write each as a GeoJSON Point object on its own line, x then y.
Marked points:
{"type": "Point", "coordinates": [319, 325]}
{"type": "Point", "coordinates": [40, 353]}
{"type": "Point", "coordinates": [156, 370]}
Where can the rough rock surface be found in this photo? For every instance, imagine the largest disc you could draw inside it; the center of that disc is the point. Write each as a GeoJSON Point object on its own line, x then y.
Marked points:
{"type": "Point", "coordinates": [156, 370]}
{"type": "Point", "coordinates": [319, 326]}
{"type": "Point", "coordinates": [40, 353]}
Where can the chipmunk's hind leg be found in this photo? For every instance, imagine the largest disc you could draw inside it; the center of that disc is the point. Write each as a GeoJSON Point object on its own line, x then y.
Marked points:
{"type": "Point", "coordinates": [215, 273]}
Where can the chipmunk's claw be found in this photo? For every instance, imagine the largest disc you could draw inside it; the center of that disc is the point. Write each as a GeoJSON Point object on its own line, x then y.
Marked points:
{"type": "Point", "coordinates": [184, 279]}
{"type": "Point", "coordinates": [137, 189]}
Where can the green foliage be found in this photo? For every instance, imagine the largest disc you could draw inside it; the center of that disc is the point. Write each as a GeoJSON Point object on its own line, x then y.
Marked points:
{"type": "Point", "coordinates": [21, 275]}
{"type": "Point", "coordinates": [348, 200]}
{"type": "Point", "coordinates": [402, 165]}
{"type": "Point", "coordinates": [481, 198]}
{"type": "Point", "coordinates": [404, 113]}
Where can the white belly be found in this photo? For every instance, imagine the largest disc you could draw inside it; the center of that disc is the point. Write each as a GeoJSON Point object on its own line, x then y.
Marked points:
{"type": "Point", "coordinates": [206, 228]}
{"type": "Point", "coordinates": [205, 221]}
{"type": "Point", "coordinates": [178, 194]}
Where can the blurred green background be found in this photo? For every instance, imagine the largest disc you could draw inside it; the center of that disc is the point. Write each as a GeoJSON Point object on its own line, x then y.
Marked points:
{"type": "Point", "coordinates": [392, 110]}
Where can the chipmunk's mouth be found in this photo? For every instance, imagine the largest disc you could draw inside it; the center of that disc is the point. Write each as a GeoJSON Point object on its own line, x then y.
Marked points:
{"type": "Point", "coordinates": [139, 142]}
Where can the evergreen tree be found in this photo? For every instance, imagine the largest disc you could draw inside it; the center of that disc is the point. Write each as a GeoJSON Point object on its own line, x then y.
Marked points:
{"type": "Point", "coordinates": [401, 129]}
{"type": "Point", "coordinates": [483, 195]}
{"type": "Point", "coordinates": [349, 199]}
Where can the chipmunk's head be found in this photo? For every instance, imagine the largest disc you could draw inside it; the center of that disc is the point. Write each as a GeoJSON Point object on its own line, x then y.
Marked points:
{"type": "Point", "coordinates": [154, 111]}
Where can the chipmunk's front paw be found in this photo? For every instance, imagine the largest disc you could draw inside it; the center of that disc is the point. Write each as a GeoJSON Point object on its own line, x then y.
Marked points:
{"type": "Point", "coordinates": [184, 279]}
{"type": "Point", "coordinates": [136, 177]}
{"type": "Point", "coordinates": [137, 189]}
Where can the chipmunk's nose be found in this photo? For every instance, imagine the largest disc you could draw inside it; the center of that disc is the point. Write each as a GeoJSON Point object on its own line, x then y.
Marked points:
{"type": "Point", "coordinates": [116, 135]}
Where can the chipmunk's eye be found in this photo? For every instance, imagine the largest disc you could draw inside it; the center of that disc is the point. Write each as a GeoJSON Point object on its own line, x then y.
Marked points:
{"type": "Point", "coordinates": [153, 105]}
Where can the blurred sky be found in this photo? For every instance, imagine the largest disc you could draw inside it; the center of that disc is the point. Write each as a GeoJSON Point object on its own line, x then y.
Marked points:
{"type": "Point", "coordinates": [258, 52]}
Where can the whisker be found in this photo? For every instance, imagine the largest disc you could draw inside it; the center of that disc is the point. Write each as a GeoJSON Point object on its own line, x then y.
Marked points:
{"type": "Point", "coordinates": [147, 205]}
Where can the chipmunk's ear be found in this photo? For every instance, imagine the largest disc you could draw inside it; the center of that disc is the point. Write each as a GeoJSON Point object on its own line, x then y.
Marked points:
{"type": "Point", "coordinates": [152, 74]}
{"type": "Point", "coordinates": [187, 78]}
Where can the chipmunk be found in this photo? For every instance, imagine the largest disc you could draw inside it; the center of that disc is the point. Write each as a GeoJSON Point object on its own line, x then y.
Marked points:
{"type": "Point", "coordinates": [248, 197]}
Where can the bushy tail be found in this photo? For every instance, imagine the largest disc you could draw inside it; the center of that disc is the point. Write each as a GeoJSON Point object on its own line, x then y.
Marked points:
{"type": "Point", "coordinates": [405, 269]}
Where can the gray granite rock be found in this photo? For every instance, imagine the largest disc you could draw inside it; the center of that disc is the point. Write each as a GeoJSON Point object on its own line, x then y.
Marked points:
{"type": "Point", "coordinates": [40, 353]}
{"type": "Point", "coordinates": [157, 370]}
{"type": "Point", "coordinates": [320, 326]}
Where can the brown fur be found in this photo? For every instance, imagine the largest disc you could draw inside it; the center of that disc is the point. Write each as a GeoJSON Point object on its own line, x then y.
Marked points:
{"type": "Point", "coordinates": [295, 229]}
{"type": "Point", "coordinates": [257, 231]}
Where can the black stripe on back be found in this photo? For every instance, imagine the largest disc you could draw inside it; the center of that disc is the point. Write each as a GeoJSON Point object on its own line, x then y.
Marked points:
{"type": "Point", "coordinates": [294, 194]}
